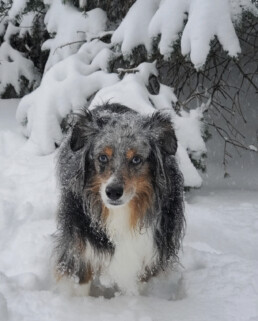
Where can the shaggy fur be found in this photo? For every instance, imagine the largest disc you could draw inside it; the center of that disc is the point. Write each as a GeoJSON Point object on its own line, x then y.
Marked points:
{"type": "Point", "coordinates": [112, 164]}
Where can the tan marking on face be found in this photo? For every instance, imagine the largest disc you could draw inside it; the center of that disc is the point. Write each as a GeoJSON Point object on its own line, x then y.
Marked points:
{"type": "Point", "coordinates": [96, 184]}
{"type": "Point", "coordinates": [108, 151]}
{"type": "Point", "coordinates": [95, 188]}
{"type": "Point", "coordinates": [130, 153]}
{"type": "Point", "coordinates": [104, 214]}
{"type": "Point", "coordinates": [143, 198]}
{"type": "Point", "coordinates": [98, 180]}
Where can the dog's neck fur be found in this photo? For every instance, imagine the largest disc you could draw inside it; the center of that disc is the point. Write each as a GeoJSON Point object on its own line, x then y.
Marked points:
{"type": "Point", "coordinates": [118, 220]}
{"type": "Point", "coordinates": [134, 249]}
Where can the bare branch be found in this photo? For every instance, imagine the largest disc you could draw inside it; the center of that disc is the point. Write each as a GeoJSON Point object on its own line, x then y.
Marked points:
{"type": "Point", "coordinates": [69, 44]}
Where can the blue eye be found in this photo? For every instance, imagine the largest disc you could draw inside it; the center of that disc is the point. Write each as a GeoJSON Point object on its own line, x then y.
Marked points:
{"type": "Point", "coordinates": [136, 160]}
{"type": "Point", "coordinates": [103, 159]}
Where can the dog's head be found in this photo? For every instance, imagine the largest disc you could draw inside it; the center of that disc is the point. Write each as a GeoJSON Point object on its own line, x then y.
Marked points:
{"type": "Point", "coordinates": [121, 147]}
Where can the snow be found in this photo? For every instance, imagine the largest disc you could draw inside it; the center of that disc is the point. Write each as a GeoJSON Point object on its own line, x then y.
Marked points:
{"type": "Point", "coordinates": [65, 87]}
{"type": "Point", "coordinates": [26, 24]}
{"type": "Point", "coordinates": [13, 63]}
{"type": "Point", "coordinates": [191, 176]}
{"type": "Point", "coordinates": [133, 30]}
{"type": "Point", "coordinates": [13, 66]}
{"type": "Point", "coordinates": [168, 21]}
{"type": "Point", "coordinates": [253, 148]}
{"type": "Point", "coordinates": [199, 21]}
{"type": "Point", "coordinates": [73, 76]}
{"type": "Point", "coordinates": [218, 278]}
{"type": "Point", "coordinates": [17, 7]}
{"type": "Point", "coordinates": [70, 84]}
{"type": "Point", "coordinates": [188, 126]}
{"type": "Point", "coordinates": [238, 6]}
{"type": "Point", "coordinates": [69, 36]}
{"type": "Point", "coordinates": [131, 91]}
{"type": "Point", "coordinates": [194, 22]}
{"type": "Point", "coordinates": [207, 19]}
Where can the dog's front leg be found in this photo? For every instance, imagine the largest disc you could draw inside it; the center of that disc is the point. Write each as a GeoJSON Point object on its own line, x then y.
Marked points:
{"type": "Point", "coordinates": [73, 273]}
{"type": "Point", "coordinates": [70, 251]}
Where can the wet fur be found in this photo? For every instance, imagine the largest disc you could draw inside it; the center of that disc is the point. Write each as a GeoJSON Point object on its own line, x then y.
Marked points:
{"type": "Point", "coordinates": [157, 205]}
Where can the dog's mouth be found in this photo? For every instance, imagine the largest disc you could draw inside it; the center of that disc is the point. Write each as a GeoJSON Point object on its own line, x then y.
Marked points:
{"type": "Point", "coordinates": [115, 203]}
{"type": "Point", "coordinates": [120, 202]}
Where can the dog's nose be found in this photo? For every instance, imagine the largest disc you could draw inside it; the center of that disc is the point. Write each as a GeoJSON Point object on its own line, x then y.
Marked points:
{"type": "Point", "coordinates": [114, 192]}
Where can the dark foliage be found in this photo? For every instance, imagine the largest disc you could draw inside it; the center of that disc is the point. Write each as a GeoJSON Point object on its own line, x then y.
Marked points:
{"type": "Point", "coordinates": [115, 9]}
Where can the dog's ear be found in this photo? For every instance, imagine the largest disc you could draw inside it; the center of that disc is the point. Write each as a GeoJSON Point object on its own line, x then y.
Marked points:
{"type": "Point", "coordinates": [77, 140]}
{"type": "Point", "coordinates": [162, 132]}
{"type": "Point", "coordinates": [81, 128]}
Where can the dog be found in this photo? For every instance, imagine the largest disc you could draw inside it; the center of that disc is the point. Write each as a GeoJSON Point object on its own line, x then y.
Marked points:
{"type": "Point", "coordinates": [121, 211]}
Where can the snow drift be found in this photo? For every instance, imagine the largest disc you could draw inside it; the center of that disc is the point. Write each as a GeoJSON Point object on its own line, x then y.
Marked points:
{"type": "Point", "coordinates": [217, 280]}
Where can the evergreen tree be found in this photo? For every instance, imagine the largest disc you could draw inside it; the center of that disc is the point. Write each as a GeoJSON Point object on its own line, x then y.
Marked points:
{"type": "Point", "coordinates": [36, 35]}
{"type": "Point", "coordinates": [22, 33]}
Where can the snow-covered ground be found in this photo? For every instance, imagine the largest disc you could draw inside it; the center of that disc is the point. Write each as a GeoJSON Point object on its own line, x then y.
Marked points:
{"type": "Point", "coordinates": [218, 279]}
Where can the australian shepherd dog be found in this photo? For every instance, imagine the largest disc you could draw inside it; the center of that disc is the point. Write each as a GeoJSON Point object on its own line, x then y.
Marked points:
{"type": "Point", "coordinates": [121, 214]}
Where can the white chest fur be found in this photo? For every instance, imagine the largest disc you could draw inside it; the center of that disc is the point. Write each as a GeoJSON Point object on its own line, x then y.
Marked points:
{"type": "Point", "coordinates": [134, 251]}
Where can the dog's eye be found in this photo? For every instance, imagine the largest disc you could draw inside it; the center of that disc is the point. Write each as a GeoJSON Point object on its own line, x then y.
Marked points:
{"type": "Point", "coordinates": [136, 160]}
{"type": "Point", "coordinates": [103, 159]}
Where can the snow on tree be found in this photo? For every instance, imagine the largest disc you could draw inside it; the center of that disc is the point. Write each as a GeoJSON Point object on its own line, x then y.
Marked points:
{"type": "Point", "coordinates": [21, 37]}
{"type": "Point", "coordinates": [179, 56]}
{"type": "Point", "coordinates": [81, 28]}
{"type": "Point", "coordinates": [17, 72]}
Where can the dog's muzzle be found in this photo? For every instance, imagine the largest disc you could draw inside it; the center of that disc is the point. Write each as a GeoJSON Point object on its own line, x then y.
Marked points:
{"type": "Point", "coordinates": [113, 193]}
